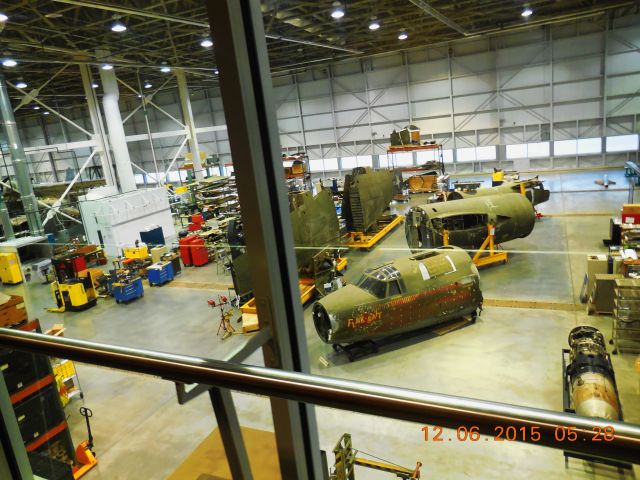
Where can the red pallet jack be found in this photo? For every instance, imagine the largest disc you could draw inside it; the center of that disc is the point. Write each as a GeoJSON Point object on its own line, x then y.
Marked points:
{"type": "Point", "coordinates": [84, 451]}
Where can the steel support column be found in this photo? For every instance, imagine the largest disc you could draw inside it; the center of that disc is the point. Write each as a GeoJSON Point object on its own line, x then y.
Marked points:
{"type": "Point", "coordinates": [247, 95]}
{"type": "Point", "coordinates": [99, 134]}
{"type": "Point", "coordinates": [116, 130]}
{"type": "Point", "coordinates": [5, 219]}
{"type": "Point", "coordinates": [187, 116]}
{"type": "Point", "coordinates": [19, 161]}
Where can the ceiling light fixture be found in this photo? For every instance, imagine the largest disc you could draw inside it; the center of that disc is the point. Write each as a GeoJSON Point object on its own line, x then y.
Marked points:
{"type": "Point", "coordinates": [527, 12]}
{"type": "Point", "coordinates": [147, 85]}
{"type": "Point", "coordinates": [165, 69]}
{"type": "Point", "coordinates": [338, 10]}
{"type": "Point", "coordinates": [403, 36]}
{"type": "Point", "coordinates": [118, 27]}
{"type": "Point", "coordinates": [21, 84]}
{"type": "Point", "coordinates": [9, 62]}
{"type": "Point", "coordinates": [374, 25]}
{"type": "Point", "coordinates": [94, 85]}
{"type": "Point", "coordinates": [3, 17]}
{"type": "Point", "coordinates": [45, 113]}
{"type": "Point", "coordinates": [206, 43]}
{"type": "Point", "coordinates": [107, 66]}
{"type": "Point", "coordinates": [216, 71]}
{"type": "Point", "coordinates": [37, 107]}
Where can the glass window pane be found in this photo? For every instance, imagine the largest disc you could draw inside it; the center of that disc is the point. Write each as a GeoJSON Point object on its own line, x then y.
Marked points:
{"type": "Point", "coordinates": [622, 143]}
{"type": "Point", "coordinates": [383, 160]}
{"type": "Point", "coordinates": [486, 153]}
{"type": "Point", "coordinates": [425, 156]}
{"type": "Point", "coordinates": [365, 161]}
{"type": "Point", "coordinates": [316, 165]}
{"type": "Point", "coordinates": [330, 164]}
{"type": "Point", "coordinates": [174, 175]}
{"type": "Point", "coordinates": [589, 145]}
{"type": "Point", "coordinates": [540, 149]}
{"type": "Point", "coordinates": [466, 154]}
{"type": "Point", "coordinates": [447, 156]}
{"type": "Point", "coordinates": [402, 159]}
{"type": "Point", "coordinates": [349, 163]}
{"type": "Point", "coordinates": [517, 151]}
{"type": "Point", "coordinates": [565, 147]}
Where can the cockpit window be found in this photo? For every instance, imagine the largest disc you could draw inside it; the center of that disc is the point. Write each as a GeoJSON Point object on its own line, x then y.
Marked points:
{"type": "Point", "coordinates": [394, 288]}
{"type": "Point", "coordinates": [374, 286]}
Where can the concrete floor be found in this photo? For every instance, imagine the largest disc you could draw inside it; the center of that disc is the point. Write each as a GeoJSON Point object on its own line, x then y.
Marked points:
{"type": "Point", "coordinates": [510, 355]}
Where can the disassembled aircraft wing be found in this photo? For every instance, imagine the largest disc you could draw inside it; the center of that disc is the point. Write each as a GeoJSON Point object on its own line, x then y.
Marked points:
{"type": "Point", "coordinates": [367, 194]}
{"type": "Point", "coordinates": [316, 236]}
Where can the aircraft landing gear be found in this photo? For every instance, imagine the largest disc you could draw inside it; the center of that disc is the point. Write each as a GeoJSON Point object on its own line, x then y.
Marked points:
{"type": "Point", "coordinates": [356, 350]}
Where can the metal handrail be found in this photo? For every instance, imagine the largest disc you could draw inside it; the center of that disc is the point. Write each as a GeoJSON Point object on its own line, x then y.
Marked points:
{"type": "Point", "coordinates": [392, 402]}
{"type": "Point", "coordinates": [633, 166]}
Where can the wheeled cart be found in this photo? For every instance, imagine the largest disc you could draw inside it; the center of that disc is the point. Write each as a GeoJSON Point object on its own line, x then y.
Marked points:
{"type": "Point", "coordinates": [160, 273]}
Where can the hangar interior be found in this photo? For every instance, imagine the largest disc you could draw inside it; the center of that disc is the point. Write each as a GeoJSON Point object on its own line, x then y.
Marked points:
{"type": "Point", "coordinates": [432, 197]}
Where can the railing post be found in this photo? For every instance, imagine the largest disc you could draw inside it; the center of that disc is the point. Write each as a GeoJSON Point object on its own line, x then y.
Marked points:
{"type": "Point", "coordinates": [231, 434]}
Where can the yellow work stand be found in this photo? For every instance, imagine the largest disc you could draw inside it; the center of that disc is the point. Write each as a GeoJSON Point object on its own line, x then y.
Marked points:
{"type": "Point", "coordinates": [362, 240]}
{"type": "Point", "coordinates": [486, 254]}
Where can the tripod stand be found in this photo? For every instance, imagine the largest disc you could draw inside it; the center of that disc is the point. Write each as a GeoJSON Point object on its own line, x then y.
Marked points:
{"type": "Point", "coordinates": [224, 326]}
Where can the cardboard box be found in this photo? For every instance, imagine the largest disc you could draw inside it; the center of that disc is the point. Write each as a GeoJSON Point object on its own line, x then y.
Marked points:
{"type": "Point", "coordinates": [596, 264]}
{"type": "Point", "coordinates": [250, 322]}
{"type": "Point", "coordinates": [602, 297]}
{"type": "Point", "coordinates": [13, 311]}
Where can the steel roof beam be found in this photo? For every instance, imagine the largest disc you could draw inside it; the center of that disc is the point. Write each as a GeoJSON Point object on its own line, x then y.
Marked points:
{"type": "Point", "coordinates": [437, 15]}
{"type": "Point", "coordinates": [187, 21]}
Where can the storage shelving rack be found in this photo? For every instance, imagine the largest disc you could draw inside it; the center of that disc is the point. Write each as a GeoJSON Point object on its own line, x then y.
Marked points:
{"type": "Point", "coordinates": [626, 315]}
{"type": "Point", "coordinates": [438, 164]}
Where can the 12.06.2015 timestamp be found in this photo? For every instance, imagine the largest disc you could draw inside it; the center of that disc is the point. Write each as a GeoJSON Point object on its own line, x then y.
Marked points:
{"type": "Point", "coordinates": [435, 433]}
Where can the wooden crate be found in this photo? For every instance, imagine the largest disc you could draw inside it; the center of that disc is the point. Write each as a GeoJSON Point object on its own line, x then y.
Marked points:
{"type": "Point", "coordinates": [13, 311]}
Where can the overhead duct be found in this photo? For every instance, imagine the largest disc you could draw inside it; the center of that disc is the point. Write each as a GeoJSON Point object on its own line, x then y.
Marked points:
{"type": "Point", "coordinates": [19, 162]}
{"type": "Point", "coordinates": [117, 139]}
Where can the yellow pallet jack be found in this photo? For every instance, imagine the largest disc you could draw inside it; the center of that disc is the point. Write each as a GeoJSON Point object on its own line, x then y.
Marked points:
{"type": "Point", "coordinates": [75, 295]}
{"type": "Point", "coordinates": [84, 451]}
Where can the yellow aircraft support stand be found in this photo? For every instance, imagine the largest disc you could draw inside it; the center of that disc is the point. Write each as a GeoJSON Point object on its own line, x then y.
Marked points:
{"type": "Point", "coordinates": [491, 256]}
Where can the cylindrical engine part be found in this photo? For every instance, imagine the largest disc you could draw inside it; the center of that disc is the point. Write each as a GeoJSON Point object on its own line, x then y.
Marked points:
{"type": "Point", "coordinates": [591, 376]}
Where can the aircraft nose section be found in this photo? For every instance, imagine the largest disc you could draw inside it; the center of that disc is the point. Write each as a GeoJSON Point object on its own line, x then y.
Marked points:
{"type": "Point", "coordinates": [322, 321]}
